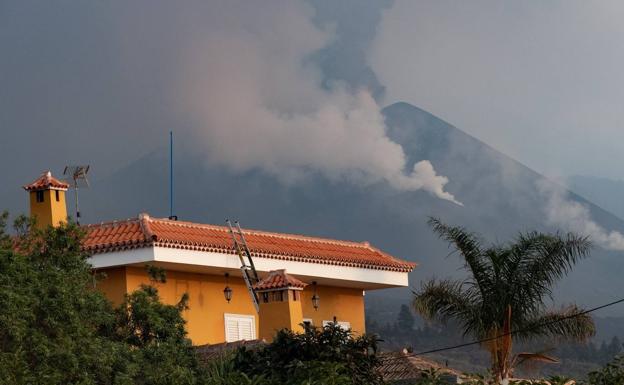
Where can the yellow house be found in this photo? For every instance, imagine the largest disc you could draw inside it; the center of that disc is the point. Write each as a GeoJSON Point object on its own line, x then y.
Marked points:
{"type": "Point", "coordinates": [302, 279]}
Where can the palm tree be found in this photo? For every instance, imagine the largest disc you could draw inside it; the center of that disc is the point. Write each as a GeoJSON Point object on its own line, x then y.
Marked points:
{"type": "Point", "coordinates": [505, 295]}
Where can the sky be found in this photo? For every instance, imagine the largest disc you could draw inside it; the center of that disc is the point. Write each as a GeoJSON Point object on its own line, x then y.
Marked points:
{"type": "Point", "coordinates": [303, 82]}
{"type": "Point", "coordinates": [539, 80]}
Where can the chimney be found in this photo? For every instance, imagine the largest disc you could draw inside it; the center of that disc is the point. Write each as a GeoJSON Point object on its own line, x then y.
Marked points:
{"type": "Point", "coordinates": [279, 297]}
{"type": "Point", "coordinates": [47, 200]}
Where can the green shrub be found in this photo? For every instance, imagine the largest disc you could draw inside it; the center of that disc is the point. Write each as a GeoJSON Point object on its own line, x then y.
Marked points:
{"type": "Point", "coordinates": [328, 355]}
{"type": "Point", "coordinates": [611, 374]}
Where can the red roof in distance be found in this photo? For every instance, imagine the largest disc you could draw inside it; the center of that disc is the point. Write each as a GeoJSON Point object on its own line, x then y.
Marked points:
{"type": "Point", "coordinates": [46, 182]}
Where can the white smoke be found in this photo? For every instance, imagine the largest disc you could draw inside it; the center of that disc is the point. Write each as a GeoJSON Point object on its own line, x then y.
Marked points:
{"type": "Point", "coordinates": [256, 100]}
{"type": "Point", "coordinates": [574, 216]}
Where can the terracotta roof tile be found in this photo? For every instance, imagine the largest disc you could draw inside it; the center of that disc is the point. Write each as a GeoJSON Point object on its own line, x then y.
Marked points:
{"type": "Point", "coordinates": [403, 366]}
{"type": "Point", "coordinates": [278, 279]}
{"type": "Point", "coordinates": [146, 231]}
{"type": "Point", "coordinates": [46, 181]}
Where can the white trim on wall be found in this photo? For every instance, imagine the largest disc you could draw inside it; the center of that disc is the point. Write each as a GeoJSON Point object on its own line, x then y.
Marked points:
{"type": "Point", "coordinates": [193, 258]}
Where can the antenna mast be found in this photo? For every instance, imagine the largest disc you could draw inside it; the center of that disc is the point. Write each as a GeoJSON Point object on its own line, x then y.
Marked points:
{"type": "Point", "coordinates": [79, 175]}
{"type": "Point", "coordinates": [171, 216]}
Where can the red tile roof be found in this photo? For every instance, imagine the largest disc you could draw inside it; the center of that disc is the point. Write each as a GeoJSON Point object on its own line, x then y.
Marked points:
{"type": "Point", "coordinates": [145, 231]}
{"type": "Point", "coordinates": [278, 279]}
{"type": "Point", "coordinates": [403, 366]}
{"type": "Point", "coordinates": [46, 181]}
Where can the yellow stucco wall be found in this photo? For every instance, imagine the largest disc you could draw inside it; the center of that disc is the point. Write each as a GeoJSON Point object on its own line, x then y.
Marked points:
{"type": "Point", "coordinates": [207, 306]}
{"type": "Point", "coordinates": [113, 285]}
{"type": "Point", "coordinates": [343, 303]}
{"type": "Point", "coordinates": [50, 211]}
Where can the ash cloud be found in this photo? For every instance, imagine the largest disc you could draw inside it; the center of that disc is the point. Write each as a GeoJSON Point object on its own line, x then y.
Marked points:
{"type": "Point", "coordinates": [261, 86]}
{"type": "Point", "coordinates": [256, 100]}
{"type": "Point", "coordinates": [574, 216]}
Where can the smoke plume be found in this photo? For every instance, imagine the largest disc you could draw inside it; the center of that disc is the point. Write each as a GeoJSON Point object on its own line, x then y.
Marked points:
{"type": "Point", "coordinates": [576, 217]}
{"type": "Point", "coordinates": [257, 101]}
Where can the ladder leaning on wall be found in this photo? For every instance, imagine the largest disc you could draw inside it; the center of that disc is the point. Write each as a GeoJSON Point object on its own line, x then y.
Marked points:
{"type": "Point", "coordinates": [247, 266]}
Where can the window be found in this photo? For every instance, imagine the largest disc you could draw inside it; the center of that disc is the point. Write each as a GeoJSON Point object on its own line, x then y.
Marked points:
{"type": "Point", "coordinates": [343, 324]}
{"type": "Point", "coordinates": [57, 195]}
{"type": "Point", "coordinates": [239, 327]}
{"type": "Point", "coordinates": [278, 296]}
{"type": "Point", "coordinates": [39, 195]}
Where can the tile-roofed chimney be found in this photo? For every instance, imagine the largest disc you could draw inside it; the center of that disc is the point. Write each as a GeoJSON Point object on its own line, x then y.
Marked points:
{"type": "Point", "coordinates": [46, 182]}
{"type": "Point", "coordinates": [279, 279]}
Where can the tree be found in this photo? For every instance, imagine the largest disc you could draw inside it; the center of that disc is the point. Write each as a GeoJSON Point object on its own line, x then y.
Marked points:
{"type": "Point", "coordinates": [55, 329]}
{"type": "Point", "coordinates": [405, 319]}
{"type": "Point", "coordinates": [614, 347]}
{"type": "Point", "coordinates": [611, 374]}
{"type": "Point", "coordinates": [506, 291]}
{"type": "Point", "coordinates": [157, 339]}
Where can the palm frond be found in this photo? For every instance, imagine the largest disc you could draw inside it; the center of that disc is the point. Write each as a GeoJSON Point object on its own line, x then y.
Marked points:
{"type": "Point", "coordinates": [567, 323]}
{"type": "Point", "coordinates": [539, 357]}
{"type": "Point", "coordinates": [543, 260]}
{"type": "Point", "coordinates": [445, 300]}
{"type": "Point", "coordinates": [469, 247]}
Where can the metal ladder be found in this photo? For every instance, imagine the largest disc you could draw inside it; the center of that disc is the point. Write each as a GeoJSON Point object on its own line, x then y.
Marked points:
{"type": "Point", "coordinates": [247, 266]}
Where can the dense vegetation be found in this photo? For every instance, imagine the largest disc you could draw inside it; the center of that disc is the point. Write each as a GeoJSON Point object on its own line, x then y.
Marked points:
{"type": "Point", "coordinates": [55, 329]}
{"type": "Point", "coordinates": [319, 356]}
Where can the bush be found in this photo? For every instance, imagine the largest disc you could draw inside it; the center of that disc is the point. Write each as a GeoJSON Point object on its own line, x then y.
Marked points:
{"type": "Point", "coordinates": [328, 355]}
{"type": "Point", "coordinates": [611, 374]}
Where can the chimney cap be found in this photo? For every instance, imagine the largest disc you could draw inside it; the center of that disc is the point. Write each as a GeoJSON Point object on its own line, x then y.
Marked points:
{"type": "Point", "coordinates": [46, 182]}
{"type": "Point", "coordinates": [279, 279]}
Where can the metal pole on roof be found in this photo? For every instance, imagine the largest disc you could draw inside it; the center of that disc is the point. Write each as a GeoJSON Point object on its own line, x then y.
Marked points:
{"type": "Point", "coordinates": [171, 216]}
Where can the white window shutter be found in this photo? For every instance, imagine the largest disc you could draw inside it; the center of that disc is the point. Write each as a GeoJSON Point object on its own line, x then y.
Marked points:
{"type": "Point", "coordinates": [231, 330]}
{"type": "Point", "coordinates": [343, 324]}
{"type": "Point", "coordinates": [245, 330]}
{"type": "Point", "coordinates": [239, 327]}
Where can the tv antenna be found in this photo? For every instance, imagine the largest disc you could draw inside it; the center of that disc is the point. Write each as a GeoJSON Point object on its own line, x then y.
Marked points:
{"type": "Point", "coordinates": [79, 176]}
